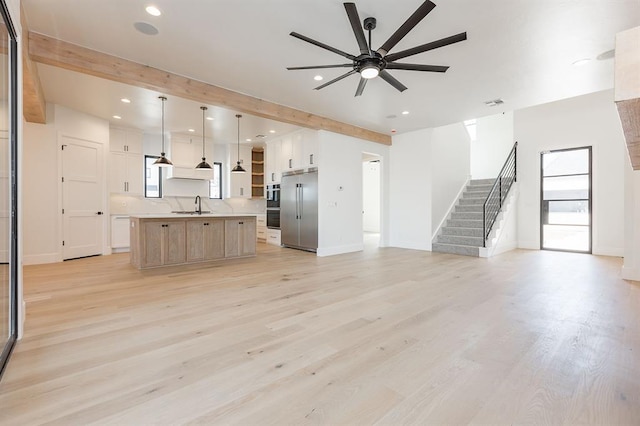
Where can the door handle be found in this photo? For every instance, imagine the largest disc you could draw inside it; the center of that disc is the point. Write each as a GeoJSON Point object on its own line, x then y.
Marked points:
{"type": "Point", "coordinates": [310, 158]}
{"type": "Point", "coordinates": [301, 201]}
{"type": "Point", "coordinates": [99, 213]}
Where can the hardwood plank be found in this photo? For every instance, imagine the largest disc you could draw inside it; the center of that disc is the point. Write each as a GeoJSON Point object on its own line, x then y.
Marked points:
{"type": "Point", "coordinates": [385, 336]}
{"type": "Point", "coordinates": [51, 51]}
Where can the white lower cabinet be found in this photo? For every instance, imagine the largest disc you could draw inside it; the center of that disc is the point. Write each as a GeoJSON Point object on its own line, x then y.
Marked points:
{"type": "Point", "coordinates": [273, 237]}
{"type": "Point", "coordinates": [261, 227]}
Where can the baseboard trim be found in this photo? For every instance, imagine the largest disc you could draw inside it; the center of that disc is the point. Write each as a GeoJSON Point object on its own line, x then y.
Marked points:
{"type": "Point", "coordinates": [332, 251]}
{"type": "Point", "coordinates": [632, 274]}
{"type": "Point", "coordinates": [608, 251]}
{"type": "Point", "coordinates": [37, 259]}
{"type": "Point", "coordinates": [426, 246]}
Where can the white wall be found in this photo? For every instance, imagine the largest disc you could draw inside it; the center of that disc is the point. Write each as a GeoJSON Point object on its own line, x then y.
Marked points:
{"type": "Point", "coordinates": [589, 120]}
{"type": "Point", "coordinates": [410, 190]}
{"type": "Point", "coordinates": [494, 140]}
{"type": "Point", "coordinates": [42, 233]}
{"type": "Point", "coordinates": [450, 157]}
{"type": "Point", "coordinates": [340, 210]}
{"type": "Point", "coordinates": [631, 268]}
{"type": "Point", "coordinates": [371, 196]}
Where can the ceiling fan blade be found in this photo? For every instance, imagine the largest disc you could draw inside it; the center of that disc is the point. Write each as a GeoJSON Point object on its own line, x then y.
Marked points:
{"type": "Point", "coordinates": [392, 81]}
{"type": "Point", "coordinates": [413, 20]}
{"type": "Point", "coordinates": [313, 67]}
{"type": "Point", "coordinates": [425, 47]}
{"type": "Point", "coordinates": [361, 85]}
{"type": "Point", "coordinates": [352, 13]}
{"type": "Point", "coordinates": [416, 67]}
{"type": "Point", "coordinates": [322, 45]}
{"type": "Point", "coordinates": [335, 79]}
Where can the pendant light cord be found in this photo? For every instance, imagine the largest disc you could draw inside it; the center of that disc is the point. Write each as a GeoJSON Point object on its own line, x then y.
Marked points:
{"type": "Point", "coordinates": [239, 116]}
{"type": "Point", "coordinates": [163, 99]}
{"type": "Point", "coordinates": [203, 108]}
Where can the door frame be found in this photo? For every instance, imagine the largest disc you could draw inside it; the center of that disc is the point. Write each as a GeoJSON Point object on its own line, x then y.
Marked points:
{"type": "Point", "coordinates": [14, 117]}
{"type": "Point", "coordinates": [105, 191]}
{"type": "Point", "coordinates": [590, 150]}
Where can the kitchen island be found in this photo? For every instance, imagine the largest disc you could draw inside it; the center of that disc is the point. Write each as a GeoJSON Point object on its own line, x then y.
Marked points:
{"type": "Point", "coordinates": [175, 239]}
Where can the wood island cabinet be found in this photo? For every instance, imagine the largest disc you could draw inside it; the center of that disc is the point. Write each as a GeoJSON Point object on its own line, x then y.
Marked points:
{"type": "Point", "coordinates": [240, 237]}
{"type": "Point", "coordinates": [206, 240]}
{"type": "Point", "coordinates": [161, 241]}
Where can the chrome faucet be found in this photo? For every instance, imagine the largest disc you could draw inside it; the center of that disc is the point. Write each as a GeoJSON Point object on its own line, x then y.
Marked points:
{"type": "Point", "coordinates": [199, 203]}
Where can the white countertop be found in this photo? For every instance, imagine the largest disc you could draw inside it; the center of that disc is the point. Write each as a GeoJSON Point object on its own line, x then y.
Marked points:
{"type": "Point", "coordinates": [193, 216]}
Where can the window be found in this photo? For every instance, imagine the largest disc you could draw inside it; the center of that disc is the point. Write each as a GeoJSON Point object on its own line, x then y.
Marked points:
{"type": "Point", "coordinates": [152, 178]}
{"type": "Point", "coordinates": [215, 184]}
{"type": "Point", "coordinates": [565, 198]}
{"type": "Point", "coordinates": [471, 126]}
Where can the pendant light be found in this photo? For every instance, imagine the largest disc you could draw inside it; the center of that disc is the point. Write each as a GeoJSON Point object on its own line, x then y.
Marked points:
{"type": "Point", "coordinates": [238, 168]}
{"type": "Point", "coordinates": [203, 165]}
{"type": "Point", "coordinates": [162, 161]}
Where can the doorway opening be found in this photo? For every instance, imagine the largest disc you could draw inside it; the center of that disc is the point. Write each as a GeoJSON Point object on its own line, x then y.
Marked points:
{"type": "Point", "coordinates": [371, 199]}
{"type": "Point", "coordinates": [565, 200]}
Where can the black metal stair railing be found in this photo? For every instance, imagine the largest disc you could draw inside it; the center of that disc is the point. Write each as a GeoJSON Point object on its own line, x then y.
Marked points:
{"type": "Point", "coordinates": [498, 193]}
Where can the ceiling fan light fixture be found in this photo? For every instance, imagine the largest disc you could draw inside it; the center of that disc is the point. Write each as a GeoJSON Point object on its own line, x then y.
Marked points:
{"type": "Point", "coordinates": [369, 71]}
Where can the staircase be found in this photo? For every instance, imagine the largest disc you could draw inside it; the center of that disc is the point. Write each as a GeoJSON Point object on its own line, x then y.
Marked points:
{"type": "Point", "coordinates": [462, 234]}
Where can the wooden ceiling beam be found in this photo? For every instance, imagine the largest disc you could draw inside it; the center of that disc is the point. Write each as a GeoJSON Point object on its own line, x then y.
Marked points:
{"type": "Point", "coordinates": [34, 106]}
{"type": "Point", "coordinates": [51, 51]}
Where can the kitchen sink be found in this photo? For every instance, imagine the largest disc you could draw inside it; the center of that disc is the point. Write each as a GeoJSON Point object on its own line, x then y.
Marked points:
{"type": "Point", "coordinates": [189, 212]}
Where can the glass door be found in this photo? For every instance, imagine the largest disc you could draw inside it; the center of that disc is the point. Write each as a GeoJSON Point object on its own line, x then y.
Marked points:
{"type": "Point", "coordinates": [565, 200]}
{"type": "Point", "coordinates": [8, 187]}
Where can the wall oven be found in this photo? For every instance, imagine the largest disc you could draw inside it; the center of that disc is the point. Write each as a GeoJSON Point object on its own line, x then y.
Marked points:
{"type": "Point", "coordinates": [273, 206]}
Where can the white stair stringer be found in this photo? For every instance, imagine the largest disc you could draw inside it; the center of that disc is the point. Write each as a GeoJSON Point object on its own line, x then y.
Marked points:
{"type": "Point", "coordinates": [503, 236]}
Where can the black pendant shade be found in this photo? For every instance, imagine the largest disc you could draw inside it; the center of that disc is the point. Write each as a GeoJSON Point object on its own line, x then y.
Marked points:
{"type": "Point", "coordinates": [203, 165]}
{"type": "Point", "coordinates": [163, 161]}
{"type": "Point", "coordinates": [238, 168]}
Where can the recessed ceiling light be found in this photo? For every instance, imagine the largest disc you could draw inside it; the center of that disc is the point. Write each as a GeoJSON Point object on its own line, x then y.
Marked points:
{"type": "Point", "coordinates": [191, 130]}
{"type": "Point", "coordinates": [117, 117]}
{"type": "Point", "coordinates": [248, 140]}
{"type": "Point", "coordinates": [125, 100]}
{"type": "Point", "coordinates": [210, 118]}
{"type": "Point", "coordinates": [318, 77]}
{"type": "Point", "coordinates": [581, 62]}
{"type": "Point", "coordinates": [272, 131]}
{"type": "Point", "coordinates": [153, 11]}
{"type": "Point", "coordinates": [405, 112]}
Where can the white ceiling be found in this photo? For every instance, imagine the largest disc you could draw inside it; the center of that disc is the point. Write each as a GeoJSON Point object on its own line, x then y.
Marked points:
{"type": "Point", "coordinates": [518, 50]}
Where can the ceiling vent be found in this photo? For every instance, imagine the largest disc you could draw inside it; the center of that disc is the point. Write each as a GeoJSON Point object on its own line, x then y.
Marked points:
{"type": "Point", "coordinates": [494, 102]}
{"type": "Point", "coordinates": [260, 136]}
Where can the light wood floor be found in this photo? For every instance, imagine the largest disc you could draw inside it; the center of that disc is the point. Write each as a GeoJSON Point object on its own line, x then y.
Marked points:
{"type": "Point", "coordinates": [385, 336]}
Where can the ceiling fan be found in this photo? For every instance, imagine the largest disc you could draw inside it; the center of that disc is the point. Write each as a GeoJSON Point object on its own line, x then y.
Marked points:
{"type": "Point", "coordinates": [372, 63]}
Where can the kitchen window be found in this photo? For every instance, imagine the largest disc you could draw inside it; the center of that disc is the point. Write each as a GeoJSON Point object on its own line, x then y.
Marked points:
{"type": "Point", "coordinates": [152, 178]}
{"type": "Point", "coordinates": [215, 184]}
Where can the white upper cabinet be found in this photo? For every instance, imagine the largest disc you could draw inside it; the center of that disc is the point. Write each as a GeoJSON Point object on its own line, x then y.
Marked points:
{"type": "Point", "coordinates": [273, 167]}
{"type": "Point", "coordinates": [309, 151]}
{"type": "Point", "coordinates": [125, 140]}
{"type": "Point", "coordinates": [185, 154]}
{"type": "Point", "coordinates": [240, 183]}
{"type": "Point", "coordinates": [299, 150]}
{"type": "Point", "coordinates": [125, 166]}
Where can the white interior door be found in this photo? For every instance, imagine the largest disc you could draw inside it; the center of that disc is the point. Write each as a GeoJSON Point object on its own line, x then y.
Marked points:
{"type": "Point", "coordinates": [82, 198]}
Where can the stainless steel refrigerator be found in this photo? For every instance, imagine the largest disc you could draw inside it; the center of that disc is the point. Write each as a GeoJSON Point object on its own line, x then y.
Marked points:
{"type": "Point", "coordinates": [299, 210]}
